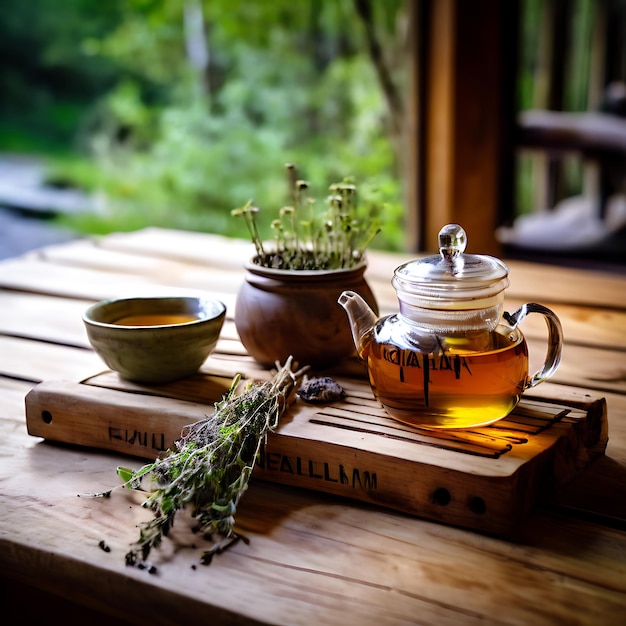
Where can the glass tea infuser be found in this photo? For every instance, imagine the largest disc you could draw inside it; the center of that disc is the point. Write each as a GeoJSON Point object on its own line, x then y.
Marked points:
{"type": "Point", "coordinates": [451, 357]}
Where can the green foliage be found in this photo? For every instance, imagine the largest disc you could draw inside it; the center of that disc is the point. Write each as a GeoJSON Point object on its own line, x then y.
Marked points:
{"type": "Point", "coordinates": [46, 79]}
{"type": "Point", "coordinates": [178, 145]}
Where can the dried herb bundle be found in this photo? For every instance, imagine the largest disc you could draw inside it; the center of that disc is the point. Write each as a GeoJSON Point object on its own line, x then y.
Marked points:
{"type": "Point", "coordinates": [211, 465]}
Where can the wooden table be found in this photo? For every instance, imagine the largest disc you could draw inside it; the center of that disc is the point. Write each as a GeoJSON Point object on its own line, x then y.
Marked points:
{"type": "Point", "coordinates": [312, 557]}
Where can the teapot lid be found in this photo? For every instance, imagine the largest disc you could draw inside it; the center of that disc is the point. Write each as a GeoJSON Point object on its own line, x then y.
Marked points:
{"type": "Point", "coordinates": [452, 280]}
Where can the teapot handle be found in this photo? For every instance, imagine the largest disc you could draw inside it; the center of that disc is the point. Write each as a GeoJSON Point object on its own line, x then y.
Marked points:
{"type": "Point", "coordinates": [555, 340]}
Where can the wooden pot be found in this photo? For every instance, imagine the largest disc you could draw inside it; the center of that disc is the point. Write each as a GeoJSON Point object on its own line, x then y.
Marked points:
{"type": "Point", "coordinates": [295, 312]}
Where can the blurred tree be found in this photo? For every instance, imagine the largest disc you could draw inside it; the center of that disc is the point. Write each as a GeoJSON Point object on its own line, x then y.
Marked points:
{"type": "Point", "coordinates": [46, 79]}
{"type": "Point", "coordinates": [204, 101]}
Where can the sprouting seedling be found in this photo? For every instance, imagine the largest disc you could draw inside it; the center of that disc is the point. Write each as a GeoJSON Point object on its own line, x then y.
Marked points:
{"type": "Point", "coordinates": [303, 240]}
{"type": "Point", "coordinates": [248, 212]}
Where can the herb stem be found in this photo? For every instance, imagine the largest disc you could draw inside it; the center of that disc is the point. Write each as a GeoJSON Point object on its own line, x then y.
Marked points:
{"type": "Point", "coordinates": [212, 462]}
{"type": "Point", "coordinates": [336, 239]}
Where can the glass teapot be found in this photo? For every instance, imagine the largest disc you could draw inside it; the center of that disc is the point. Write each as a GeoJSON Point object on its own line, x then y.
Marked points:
{"type": "Point", "coordinates": [451, 357]}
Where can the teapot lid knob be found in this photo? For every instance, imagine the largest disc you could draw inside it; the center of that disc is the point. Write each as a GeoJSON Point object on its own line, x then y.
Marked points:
{"type": "Point", "coordinates": [453, 278]}
{"type": "Point", "coordinates": [452, 242]}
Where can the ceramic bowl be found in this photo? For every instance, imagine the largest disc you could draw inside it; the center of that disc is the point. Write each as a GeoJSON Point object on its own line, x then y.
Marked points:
{"type": "Point", "coordinates": [155, 340]}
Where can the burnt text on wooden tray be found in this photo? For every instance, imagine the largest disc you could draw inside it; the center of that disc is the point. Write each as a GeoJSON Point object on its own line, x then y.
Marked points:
{"type": "Point", "coordinates": [487, 479]}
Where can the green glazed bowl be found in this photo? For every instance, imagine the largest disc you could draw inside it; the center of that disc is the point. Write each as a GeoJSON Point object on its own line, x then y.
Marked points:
{"type": "Point", "coordinates": [155, 340]}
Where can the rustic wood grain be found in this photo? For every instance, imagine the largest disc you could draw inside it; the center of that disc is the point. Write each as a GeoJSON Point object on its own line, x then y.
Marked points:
{"type": "Point", "coordinates": [488, 479]}
{"type": "Point", "coordinates": [311, 556]}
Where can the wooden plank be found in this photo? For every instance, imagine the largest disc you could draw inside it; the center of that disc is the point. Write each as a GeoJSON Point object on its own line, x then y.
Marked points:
{"type": "Point", "coordinates": [89, 254]}
{"type": "Point", "coordinates": [487, 478]}
{"type": "Point", "coordinates": [585, 326]}
{"type": "Point", "coordinates": [313, 552]}
{"type": "Point", "coordinates": [32, 275]}
{"type": "Point", "coordinates": [311, 547]}
{"type": "Point", "coordinates": [566, 285]}
{"type": "Point", "coordinates": [12, 394]}
{"type": "Point", "coordinates": [534, 282]}
{"type": "Point", "coordinates": [44, 360]}
{"type": "Point", "coordinates": [92, 416]}
{"type": "Point", "coordinates": [37, 361]}
{"type": "Point", "coordinates": [606, 328]}
{"type": "Point", "coordinates": [616, 412]}
{"type": "Point", "coordinates": [45, 318]}
{"type": "Point", "coordinates": [189, 247]}
{"type": "Point", "coordinates": [86, 255]}
{"type": "Point", "coordinates": [21, 313]}
{"type": "Point", "coordinates": [69, 282]}
{"type": "Point", "coordinates": [593, 368]}
{"type": "Point", "coordinates": [56, 319]}
{"type": "Point", "coordinates": [528, 280]}
{"type": "Point", "coordinates": [229, 358]}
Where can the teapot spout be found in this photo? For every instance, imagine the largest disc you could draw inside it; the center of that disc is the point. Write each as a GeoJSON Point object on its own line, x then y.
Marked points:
{"type": "Point", "coordinates": [361, 316]}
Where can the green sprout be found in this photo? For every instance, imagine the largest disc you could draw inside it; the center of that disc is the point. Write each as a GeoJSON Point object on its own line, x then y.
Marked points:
{"type": "Point", "coordinates": [305, 240]}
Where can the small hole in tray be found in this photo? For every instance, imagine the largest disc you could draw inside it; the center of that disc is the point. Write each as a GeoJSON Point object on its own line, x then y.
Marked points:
{"type": "Point", "coordinates": [477, 505]}
{"type": "Point", "coordinates": [46, 416]}
{"type": "Point", "coordinates": [442, 496]}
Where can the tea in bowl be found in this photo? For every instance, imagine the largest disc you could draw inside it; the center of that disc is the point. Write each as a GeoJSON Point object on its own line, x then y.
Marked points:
{"type": "Point", "coordinates": [155, 340]}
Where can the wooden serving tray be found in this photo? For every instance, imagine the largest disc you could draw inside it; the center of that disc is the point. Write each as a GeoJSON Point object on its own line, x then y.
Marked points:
{"type": "Point", "coordinates": [487, 479]}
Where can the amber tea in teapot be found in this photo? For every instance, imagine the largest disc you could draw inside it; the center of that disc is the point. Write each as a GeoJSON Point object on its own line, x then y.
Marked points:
{"type": "Point", "coordinates": [459, 386]}
{"type": "Point", "coordinates": [451, 357]}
